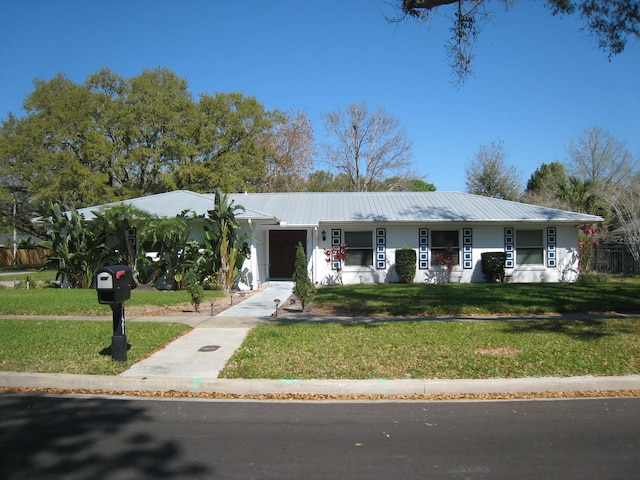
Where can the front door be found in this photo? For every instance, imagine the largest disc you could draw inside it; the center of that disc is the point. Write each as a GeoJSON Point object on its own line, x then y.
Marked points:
{"type": "Point", "coordinates": [282, 252]}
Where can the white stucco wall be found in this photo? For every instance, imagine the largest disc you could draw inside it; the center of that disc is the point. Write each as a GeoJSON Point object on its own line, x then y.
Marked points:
{"type": "Point", "coordinates": [485, 238]}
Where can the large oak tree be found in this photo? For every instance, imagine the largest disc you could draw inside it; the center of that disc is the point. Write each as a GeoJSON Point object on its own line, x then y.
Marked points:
{"type": "Point", "coordinates": [113, 138]}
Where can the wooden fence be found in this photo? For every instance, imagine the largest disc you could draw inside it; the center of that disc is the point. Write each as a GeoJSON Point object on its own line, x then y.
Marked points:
{"type": "Point", "coordinates": [31, 256]}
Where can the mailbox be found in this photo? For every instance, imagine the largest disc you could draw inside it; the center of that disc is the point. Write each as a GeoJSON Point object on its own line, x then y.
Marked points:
{"type": "Point", "coordinates": [114, 284]}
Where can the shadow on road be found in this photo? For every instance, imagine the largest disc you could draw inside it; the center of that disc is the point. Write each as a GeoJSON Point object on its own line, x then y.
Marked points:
{"type": "Point", "coordinates": [61, 437]}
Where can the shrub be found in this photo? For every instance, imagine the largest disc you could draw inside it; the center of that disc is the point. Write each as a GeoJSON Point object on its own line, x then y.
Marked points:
{"type": "Point", "coordinates": [493, 266]}
{"type": "Point", "coordinates": [406, 264]}
{"type": "Point", "coordinates": [593, 277]}
{"type": "Point", "coordinates": [303, 288]}
{"type": "Point", "coordinates": [194, 288]}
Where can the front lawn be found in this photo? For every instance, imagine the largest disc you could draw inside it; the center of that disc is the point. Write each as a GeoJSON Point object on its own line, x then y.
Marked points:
{"type": "Point", "coordinates": [439, 349]}
{"type": "Point", "coordinates": [78, 347]}
{"type": "Point", "coordinates": [68, 301]}
{"type": "Point", "coordinates": [480, 298]}
{"type": "Point", "coordinates": [366, 350]}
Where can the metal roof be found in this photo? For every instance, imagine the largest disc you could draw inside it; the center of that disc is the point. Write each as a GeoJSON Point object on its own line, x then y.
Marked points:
{"type": "Point", "coordinates": [312, 208]}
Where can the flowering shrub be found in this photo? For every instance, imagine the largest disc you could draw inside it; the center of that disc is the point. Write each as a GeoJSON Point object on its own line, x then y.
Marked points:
{"type": "Point", "coordinates": [337, 253]}
{"type": "Point", "coordinates": [586, 248]}
{"type": "Point", "coordinates": [445, 259]}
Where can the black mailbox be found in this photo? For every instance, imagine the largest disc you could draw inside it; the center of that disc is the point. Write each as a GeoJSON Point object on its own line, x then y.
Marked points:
{"type": "Point", "coordinates": [114, 284]}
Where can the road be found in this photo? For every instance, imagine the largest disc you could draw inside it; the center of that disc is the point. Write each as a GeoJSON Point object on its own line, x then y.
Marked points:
{"type": "Point", "coordinates": [75, 437]}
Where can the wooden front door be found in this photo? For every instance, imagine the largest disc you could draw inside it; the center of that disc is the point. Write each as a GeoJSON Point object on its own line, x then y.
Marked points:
{"type": "Point", "coordinates": [282, 252]}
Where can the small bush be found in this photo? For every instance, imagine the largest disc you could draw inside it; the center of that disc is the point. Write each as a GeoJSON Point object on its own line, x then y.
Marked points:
{"type": "Point", "coordinates": [406, 264]}
{"type": "Point", "coordinates": [194, 288]}
{"type": "Point", "coordinates": [593, 277]}
{"type": "Point", "coordinates": [493, 266]}
{"type": "Point", "coordinates": [303, 288]}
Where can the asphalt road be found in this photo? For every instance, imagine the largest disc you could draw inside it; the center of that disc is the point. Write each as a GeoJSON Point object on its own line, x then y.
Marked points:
{"type": "Point", "coordinates": [112, 438]}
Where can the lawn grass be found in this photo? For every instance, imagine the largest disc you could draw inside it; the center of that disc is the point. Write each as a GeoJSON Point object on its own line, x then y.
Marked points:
{"type": "Point", "coordinates": [439, 349]}
{"type": "Point", "coordinates": [77, 347]}
{"type": "Point", "coordinates": [68, 301]}
{"type": "Point", "coordinates": [480, 298]}
{"type": "Point", "coordinates": [385, 350]}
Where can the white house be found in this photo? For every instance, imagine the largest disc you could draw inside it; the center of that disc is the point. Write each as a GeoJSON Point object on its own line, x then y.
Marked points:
{"type": "Point", "coordinates": [540, 243]}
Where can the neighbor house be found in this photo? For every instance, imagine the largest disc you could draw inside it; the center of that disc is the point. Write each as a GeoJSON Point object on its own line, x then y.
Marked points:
{"type": "Point", "coordinates": [540, 243]}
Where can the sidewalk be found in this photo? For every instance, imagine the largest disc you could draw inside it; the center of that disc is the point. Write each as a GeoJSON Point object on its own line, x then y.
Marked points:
{"type": "Point", "coordinates": [193, 362]}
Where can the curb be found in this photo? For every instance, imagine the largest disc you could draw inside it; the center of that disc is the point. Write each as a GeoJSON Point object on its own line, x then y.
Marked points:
{"type": "Point", "coordinates": [410, 387]}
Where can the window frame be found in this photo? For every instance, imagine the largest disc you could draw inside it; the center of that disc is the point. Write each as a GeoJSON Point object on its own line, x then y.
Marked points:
{"type": "Point", "coordinates": [532, 253]}
{"type": "Point", "coordinates": [435, 249]}
{"type": "Point", "coordinates": [360, 251]}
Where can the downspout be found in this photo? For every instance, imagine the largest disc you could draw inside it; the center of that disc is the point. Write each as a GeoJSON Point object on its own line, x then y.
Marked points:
{"type": "Point", "coordinates": [314, 243]}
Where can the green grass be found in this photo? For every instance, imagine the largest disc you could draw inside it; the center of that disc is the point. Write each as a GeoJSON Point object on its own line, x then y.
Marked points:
{"type": "Point", "coordinates": [480, 298]}
{"type": "Point", "coordinates": [439, 349]}
{"type": "Point", "coordinates": [78, 347]}
{"type": "Point", "coordinates": [67, 301]}
{"type": "Point", "coordinates": [385, 350]}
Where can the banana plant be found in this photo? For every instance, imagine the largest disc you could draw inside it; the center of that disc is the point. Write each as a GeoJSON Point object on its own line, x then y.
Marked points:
{"type": "Point", "coordinates": [77, 251]}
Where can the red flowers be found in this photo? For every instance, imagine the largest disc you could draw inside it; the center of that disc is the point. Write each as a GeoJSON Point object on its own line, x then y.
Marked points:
{"type": "Point", "coordinates": [586, 247]}
{"type": "Point", "coordinates": [337, 254]}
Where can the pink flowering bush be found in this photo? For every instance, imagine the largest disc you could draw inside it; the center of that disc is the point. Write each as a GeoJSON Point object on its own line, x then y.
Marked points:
{"type": "Point", "coordinates": [587, 248]}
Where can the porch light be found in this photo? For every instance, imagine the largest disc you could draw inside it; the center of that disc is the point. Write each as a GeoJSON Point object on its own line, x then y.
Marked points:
{"type": "Point", "coordinates": [324, 235]}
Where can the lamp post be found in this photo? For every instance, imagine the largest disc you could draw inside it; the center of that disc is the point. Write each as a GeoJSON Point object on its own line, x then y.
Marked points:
{"type": "Point", "coordinates": [277, 302]}
{"type": "Point", "coordinates": [15, 234]}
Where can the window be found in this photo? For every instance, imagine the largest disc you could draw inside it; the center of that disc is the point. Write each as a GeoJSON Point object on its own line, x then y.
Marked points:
{"type": "Point", "coordinates": [529, 247]}
{"type": "Point", "coordinates": [360, 249]}
{"type": "Point", "coordinates": [445, 243]}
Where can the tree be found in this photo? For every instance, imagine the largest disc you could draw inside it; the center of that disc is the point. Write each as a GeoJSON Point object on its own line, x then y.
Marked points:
{"type": "Point", "coordinates": [418, 185]}
{"type": "Point", "coordinates": [489, 175]}
{"type": "Point", "coordinates": [600, 159]}
{"type": "Point", "coordinates": [231, 145]}
{"type": "Point", "coordinates": [222, 240]}
{"type": "Point", "coordinates": [545, 185]}
{"type": "Point", "coordinates": [156, 118]}
{"type": "Point", "coordinates": [303, 288]}
{"type": "Point", "coordinates": [45, 158]}
{"type": "Point", "coordinates": [580, 196]}
{"type": "Point", "coordinates": [547, 177]}
{"type": "Point", "coordinates": [292, 153]}
{"type": "Point", "coordinates": [114, 138]}
{"type": "Point", "coordinates": [368, 147]}
{"type": "Point", "coordinates": [324, 181]}
{"type": "Point", "coordinates": [611, 22]}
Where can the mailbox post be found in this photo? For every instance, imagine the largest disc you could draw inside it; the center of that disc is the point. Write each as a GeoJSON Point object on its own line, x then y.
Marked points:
{"type": "Point", "coordinates": [114, 284]}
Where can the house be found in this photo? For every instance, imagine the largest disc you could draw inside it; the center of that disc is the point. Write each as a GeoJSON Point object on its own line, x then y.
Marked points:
{"type": "Point", "coordinates": [540, 243]}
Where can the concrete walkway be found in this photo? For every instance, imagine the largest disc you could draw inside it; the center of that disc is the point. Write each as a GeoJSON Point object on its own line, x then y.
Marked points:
{"type": "Point", "coordinates": [205, 350]}
{"type": "Point", "coordinates": [193, 362]}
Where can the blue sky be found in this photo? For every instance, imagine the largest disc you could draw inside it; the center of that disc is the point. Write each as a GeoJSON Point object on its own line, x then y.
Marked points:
{"type": "Point", "coordinates": [540, 80]}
